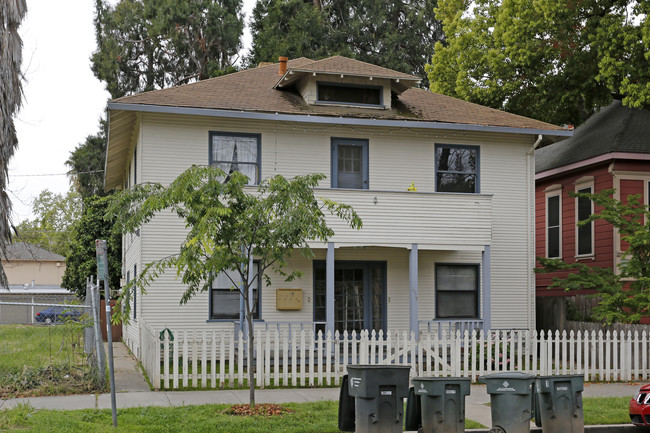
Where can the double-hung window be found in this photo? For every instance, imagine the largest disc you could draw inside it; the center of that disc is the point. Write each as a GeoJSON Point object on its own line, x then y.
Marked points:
{"type": "Point", "coordinates": [457, 291]}
{"type": "Point", "coordinates": [553, 224]}
{"type": "Point", "coordinates": [457, 168]}
{"type": "Point", "coordinates": [236, 152]}
{"type": "Point", "coordinates": [225, 295]}
{"type": "Point", "coordinates": [584, 233]}
{"type": "Point", "coordinates": [349, 163]}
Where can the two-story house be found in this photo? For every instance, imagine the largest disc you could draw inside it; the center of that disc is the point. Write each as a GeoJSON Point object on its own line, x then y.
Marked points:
{"type": "Point", "coordinates": [458, 250]}
{"type": "Point", "coordinates": [611, 150]}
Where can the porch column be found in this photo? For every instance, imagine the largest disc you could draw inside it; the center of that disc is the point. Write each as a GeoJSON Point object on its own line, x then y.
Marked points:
{"type": "Point", "coordinates": [329, 289]}
{"type": "Point", "coordinates": [413, 291]}
{"type": "Point", "coordinates": [487, 295]}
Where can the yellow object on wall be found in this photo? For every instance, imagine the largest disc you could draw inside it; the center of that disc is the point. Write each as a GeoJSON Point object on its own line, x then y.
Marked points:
{"type": "Point", "coordinates": [288, 299]}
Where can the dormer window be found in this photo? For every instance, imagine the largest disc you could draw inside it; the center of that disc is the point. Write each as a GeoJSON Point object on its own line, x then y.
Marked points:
{"type": "Point", "coordinates": [352, 94]}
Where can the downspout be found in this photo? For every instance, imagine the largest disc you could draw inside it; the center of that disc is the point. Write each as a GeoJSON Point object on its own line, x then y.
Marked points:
{"type": "Point", "coordinates": [530, 176]}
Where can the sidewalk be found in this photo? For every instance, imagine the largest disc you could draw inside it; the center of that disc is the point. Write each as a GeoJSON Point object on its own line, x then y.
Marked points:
{"type": "Point", "coordinates": [133, 391]}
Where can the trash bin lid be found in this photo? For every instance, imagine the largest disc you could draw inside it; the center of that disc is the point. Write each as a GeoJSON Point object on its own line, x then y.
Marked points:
{"type": "Point", "coordinates": [512, 382]}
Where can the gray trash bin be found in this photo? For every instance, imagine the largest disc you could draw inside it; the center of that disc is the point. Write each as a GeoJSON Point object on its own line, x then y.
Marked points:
{"type": "Point", "coordinates": [511, 399]}
{"type": "Point", "coordinates": [443, 403]}
{"type": "Point", "coordinates": [559, 403]}
{"type": "Point", "coordinates": [378, 392]}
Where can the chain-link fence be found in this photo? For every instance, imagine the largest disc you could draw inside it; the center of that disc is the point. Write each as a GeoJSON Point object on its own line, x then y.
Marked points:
{"type": "Point", "coordinates": [49, 348]}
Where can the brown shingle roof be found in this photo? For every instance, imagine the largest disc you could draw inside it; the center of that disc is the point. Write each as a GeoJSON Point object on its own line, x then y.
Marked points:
{"type": "Point", "coordinates": [347, 66]}
{"type": "Point", "coordinates": [252, 90]}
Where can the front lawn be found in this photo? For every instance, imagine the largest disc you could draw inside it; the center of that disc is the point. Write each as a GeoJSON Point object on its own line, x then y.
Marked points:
{"type": "Point", "coordinates": [317, 417]}
{"type": "Point", "coordinates": [40, 360]}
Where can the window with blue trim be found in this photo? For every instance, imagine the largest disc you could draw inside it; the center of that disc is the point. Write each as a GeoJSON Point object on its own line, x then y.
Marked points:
{"type": "Point", "coordinates": [225, 295]}
{"type": "Point", "coordinates": [457, 287]}
{"type": "Point", "coordinates": [349, 163]}
{"type": "Point", "coordinates": [236, 152]}
{"type": "Point", "coordinates": [457, 168]}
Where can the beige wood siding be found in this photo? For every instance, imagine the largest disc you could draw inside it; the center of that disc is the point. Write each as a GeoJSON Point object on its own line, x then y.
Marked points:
{"type": "Point", "coordinates": [498, 217]}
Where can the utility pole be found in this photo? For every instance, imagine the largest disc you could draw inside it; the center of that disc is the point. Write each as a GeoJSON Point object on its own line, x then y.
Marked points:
{"type": "Point", "coordinates": [102, 273]}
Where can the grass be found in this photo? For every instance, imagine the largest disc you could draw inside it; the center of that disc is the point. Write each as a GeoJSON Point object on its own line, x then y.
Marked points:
{"type": "Point", "coordinates": [43, 360]}
{"type": "Point", "coordinates": [316, 417]}
{"type": "Point", "coordinates": [606, 410]}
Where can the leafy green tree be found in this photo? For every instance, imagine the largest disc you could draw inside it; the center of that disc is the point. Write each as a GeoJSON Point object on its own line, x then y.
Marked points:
{"type": "Point", "coordinates": [52, 227]}
{"type": "Point", "coordinates": [549, 60]}
{"type": "Point", "coordinates": [229, 225]}
{"type": "Point", "coordinates": [95, 223]}
{"type": "Point", "coordinates": [86, 163]}
{"type": "Point", "coordinates": [152, 44]}
{"type": "Point", "coordinates": [12, 13]}
{"type": "Point", "coordinates": [395, 34]}
{"type": "Point", "coordinates": [619, 301]}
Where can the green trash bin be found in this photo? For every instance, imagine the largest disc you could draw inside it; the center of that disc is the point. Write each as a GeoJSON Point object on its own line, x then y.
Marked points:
{"type": "Point", "coordinates": [559, 403]}
{"type": "Point", "coordinates": [442, 400]}
{"type": "Point", "coordinates": [379, 392]}
{"type": "Point", "coordinates": [511, 398]}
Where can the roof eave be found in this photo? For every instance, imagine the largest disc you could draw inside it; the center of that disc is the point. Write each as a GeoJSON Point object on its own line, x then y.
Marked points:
{"type": "Point", "coordinates": [558, 134]}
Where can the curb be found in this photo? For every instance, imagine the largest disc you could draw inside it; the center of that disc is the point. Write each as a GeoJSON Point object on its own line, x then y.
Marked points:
{"type": "Point", "coordinates": [612, 428]}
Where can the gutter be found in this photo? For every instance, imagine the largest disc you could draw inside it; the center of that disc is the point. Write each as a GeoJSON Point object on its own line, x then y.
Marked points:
{"type": "Point", "coordinates": [302, 118]}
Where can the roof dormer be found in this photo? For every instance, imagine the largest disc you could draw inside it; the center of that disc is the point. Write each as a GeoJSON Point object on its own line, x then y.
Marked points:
{"type": "Point", "coordinates": [340, 81]}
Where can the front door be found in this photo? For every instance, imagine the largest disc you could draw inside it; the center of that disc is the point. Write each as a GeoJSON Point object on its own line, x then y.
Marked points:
{"type": "Point", "coordinates": [359, 295]}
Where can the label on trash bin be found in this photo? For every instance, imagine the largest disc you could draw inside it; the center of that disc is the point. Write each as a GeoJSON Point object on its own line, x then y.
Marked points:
{"type": "Point", "coordinates": [562, 388]}
{"type": "Point", "coordinates": [450, 391]}
{"type": "Point", "coordinates": [506, 388]}
{"type": "Point", "coordinates": [355, 382]}
{"type": "Point", "coordinates": [422, 389]}
{"type": "Point", "coordinates": [387, 392]}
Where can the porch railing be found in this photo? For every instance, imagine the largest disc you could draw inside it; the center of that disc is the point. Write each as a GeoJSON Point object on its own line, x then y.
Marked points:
{"type": "Point", "coordinates": [214, 359]}
{"type": "Point", "coordinates": [450, 327]}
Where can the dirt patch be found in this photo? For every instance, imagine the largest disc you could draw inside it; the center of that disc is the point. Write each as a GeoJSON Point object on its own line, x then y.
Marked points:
{"type": "Point", "coordinates": [258, 409]}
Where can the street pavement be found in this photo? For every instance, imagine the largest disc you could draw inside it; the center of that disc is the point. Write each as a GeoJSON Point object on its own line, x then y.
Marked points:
{"type": "Point", "coordinates": [132, 390]}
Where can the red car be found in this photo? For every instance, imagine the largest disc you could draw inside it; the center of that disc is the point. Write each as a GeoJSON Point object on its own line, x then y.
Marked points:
{"type": "Point", "coordinates": [640, 407]}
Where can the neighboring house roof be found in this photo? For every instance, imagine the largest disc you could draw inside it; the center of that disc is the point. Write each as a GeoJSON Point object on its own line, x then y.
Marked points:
{"type": "Point", "coordinates": [25, 251]}
{"type": "Point", "coordinates": [39, 289]}
{"type": "Point", "coordinates": [612, 131]}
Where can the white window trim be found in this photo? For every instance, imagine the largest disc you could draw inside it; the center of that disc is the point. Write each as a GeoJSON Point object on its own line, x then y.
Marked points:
{"type": "Point", "coordinates": [553, 191]}
{"type": "Point", "coordinates": [582, 183]}
{"type": "Point", "coordinates": [619, 175]}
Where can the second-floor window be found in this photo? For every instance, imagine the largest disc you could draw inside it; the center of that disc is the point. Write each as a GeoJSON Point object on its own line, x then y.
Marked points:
{"type": "Point", "coordinates": [349, 163]}
{"type": "Point", "coordinates": [553, 226]}
{"type": "Point", "coordinates": [457, 168]}
{"type": "Point", "coordinates": [236, 152]}
{"type": "Point", "coordinates": [584, 235]}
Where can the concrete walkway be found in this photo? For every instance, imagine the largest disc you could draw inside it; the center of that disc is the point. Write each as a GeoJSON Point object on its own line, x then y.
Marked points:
{"type": "Point", "coordinates": [133, 391]}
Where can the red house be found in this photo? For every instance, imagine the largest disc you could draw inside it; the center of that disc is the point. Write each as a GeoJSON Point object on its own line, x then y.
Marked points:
{"type": "Point", "coordinates": [610, 150]}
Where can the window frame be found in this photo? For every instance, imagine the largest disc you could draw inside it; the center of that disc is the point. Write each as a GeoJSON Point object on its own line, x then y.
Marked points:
{"type": "Point", "coordinates": [379, 89]}
{"type": "Point", "coordinates": [334, 160]}
{"type": "Point", "coordinates": [552, 192]}
{"type": "Point", "coordinates": [211, 317]}
{"type": "Point", "coordinates": [135, 292]}
{"type": "Point", "coordinates": [258, 137]}
{"type": "Point", "coordinates": [581, 185]}
{"type": "Point", "coordinates": [477, 174]}
{"type": "Point", "coordinates": [477, 290]}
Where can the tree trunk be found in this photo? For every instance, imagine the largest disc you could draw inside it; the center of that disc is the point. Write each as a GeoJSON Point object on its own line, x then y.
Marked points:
{"type": "Point", "coordinates": [251, 353]}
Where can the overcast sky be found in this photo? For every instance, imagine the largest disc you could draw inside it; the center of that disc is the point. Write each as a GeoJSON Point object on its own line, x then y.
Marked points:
{"type": "Point", "coordinates": [62, 101]}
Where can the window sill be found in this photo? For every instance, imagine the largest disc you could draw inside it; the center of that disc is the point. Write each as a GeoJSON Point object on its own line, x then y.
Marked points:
{"type": "Point", "coordinates": [585, 257]}
{"type": "Point", "coordinates": [231, 320]}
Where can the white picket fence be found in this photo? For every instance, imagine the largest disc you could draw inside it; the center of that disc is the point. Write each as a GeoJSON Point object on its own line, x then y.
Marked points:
{"type": "Point", "coordinates": [217, 359]}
